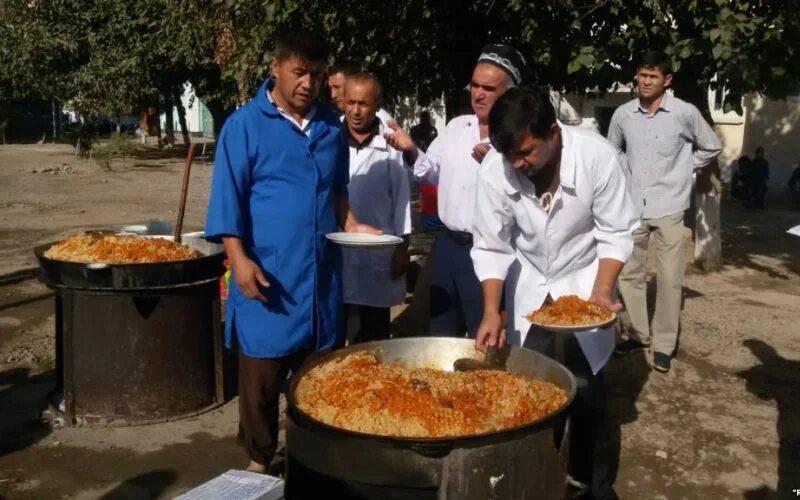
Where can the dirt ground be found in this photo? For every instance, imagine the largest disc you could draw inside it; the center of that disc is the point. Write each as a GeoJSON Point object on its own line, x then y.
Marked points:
{"type": "Point", "coordinates": [724, 423]}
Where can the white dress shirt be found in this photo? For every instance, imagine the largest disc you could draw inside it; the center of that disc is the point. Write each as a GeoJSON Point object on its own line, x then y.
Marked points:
{"type": "Point", "coordinates": [557, 253]}
{"type": "Point", "coordinates": [449, 163]}
{"type": "Point", "coordinates": [379, 196]}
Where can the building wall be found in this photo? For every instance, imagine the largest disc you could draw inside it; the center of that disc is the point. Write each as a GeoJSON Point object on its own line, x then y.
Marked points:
{"type": "Point", "coordinates": [731, 136]}
{"type": "Point", "coordinates": [775, 125]}
{"type": "Point", "coordinates": [198, 119]}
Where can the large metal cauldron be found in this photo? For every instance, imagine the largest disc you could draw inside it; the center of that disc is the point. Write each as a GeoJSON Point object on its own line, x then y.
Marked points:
{"type": "Point", "coordinates": [138, 343]}
{"type": "Point", "coordinates": [525, 462]}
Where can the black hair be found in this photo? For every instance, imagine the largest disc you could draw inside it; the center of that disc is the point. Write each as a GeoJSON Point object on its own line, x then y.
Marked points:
{"type": "Point", "coordinates": [520, 110]}
{"type": "Point", "coordinates": [656, 59]}
{"type": "Point", "coordinates": [302, 44]}
{"type": "Point", "coordinates": [369, 77]}
{"type": "Point", "coordinates": [347, 68]}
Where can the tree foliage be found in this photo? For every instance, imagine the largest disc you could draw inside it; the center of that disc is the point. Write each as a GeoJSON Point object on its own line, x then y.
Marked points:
{"type": "Point", "coordinates": [112, 56]}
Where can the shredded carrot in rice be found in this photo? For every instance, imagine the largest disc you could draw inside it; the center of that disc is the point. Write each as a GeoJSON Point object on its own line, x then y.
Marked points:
{"type": "Point", "coordinates": [570, 310]}
{"type": "Point", "coordinates": [114, 249]}
{"type": "Point", "coordinates": [359, 393]}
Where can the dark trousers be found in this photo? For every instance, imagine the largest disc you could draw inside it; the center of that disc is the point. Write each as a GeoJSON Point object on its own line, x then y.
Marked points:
{"type": "Point", "coordinates": [373, 322]}
{"type": "Point", "coordinates": [594, 450]}
{"type": "Point", "coordinates": [456, 295]}
{"type": "Point", "coordinates": [260, 383]}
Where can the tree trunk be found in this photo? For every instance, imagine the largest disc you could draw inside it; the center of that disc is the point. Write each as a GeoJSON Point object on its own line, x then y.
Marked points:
{"type": "Point", "coordinates": [55, 124]}
{"type": "Point", "coordinates": [182, 117]}
{"type": "Point", "coordinates": [707, 228]}
{"type": "Point", "coordinates": [169, 122]}
{"type": "Point", "coordinates": [219, 112]}
{"type": "Point", "coordinates": [705, 218]}
{"type": "Point", "coordinates": [158, 122]}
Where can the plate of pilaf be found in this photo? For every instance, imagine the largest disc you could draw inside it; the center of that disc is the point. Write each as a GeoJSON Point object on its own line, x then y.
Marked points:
{"type": "Point", "coordinates": [570, 313]}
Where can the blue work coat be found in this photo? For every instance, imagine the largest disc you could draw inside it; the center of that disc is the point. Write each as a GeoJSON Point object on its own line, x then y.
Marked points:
{"type": "Point", "coordinates": [274, 187]}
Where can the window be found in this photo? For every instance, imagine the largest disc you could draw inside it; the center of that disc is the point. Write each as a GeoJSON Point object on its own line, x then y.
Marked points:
{"type": "Point", "coordinates": [716, 102]}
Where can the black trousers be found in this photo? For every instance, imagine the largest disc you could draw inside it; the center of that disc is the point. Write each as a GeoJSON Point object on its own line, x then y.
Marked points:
{"type": "Point", "coordinates": [374, 322]}
{"type": "Point", "coordinates": [260, 382]}
{"type": "Point", "coordinates": [594, 450]}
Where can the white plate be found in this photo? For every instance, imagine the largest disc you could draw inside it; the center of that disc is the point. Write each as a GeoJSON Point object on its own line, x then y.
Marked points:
{"type": "Point", "coordinates": [364, 240]}
{"type": "Point", "coordinates": [134, 229]}
{"type": "Point", "coordinates": [576, 328]}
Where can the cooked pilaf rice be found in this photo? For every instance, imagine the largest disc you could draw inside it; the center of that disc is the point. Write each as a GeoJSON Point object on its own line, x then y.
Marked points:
{"type": "Point", "coordinates": [119, 249]}
{"type": "Point", "coordinates": [358, 393]}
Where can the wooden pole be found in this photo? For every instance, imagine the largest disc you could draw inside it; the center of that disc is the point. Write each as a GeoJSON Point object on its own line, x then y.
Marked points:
{"type": "Point", "coordinates": [187, 168]}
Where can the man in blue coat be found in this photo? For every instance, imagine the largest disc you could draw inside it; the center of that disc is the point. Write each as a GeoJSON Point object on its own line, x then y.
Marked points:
{"type": "Point", "coordinates": [279, 185]}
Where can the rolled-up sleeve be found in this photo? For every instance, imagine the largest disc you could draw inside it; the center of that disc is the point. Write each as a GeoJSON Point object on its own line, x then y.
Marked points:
{"type": "Point", "coordinates": [230, 184]}
{"type": "Point", "coordinates": [615, 217]}
{"type": "Point", "coordinates": [426, 168]}
{"type": "Point", "coordinates": [401, 195]}
{"type": "Point", "coordinates": [492, 253]}
{"type": "Point", "coordinates": [615, 135]}
{"type": "Point", "coordinates": [706, 143]}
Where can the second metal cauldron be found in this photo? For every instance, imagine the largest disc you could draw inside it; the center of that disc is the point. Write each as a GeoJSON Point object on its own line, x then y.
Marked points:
{"type": "Point", "coordinates": [524, 462]}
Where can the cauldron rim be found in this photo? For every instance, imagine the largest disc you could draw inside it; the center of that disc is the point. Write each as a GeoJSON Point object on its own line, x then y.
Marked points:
{"type": "Point", "coordinates": [60, 273]}
{"type": "Point", "coordinates": [504, 434]}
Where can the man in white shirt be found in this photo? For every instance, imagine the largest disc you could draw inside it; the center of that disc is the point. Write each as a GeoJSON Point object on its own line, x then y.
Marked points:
{"type": "Point", "coordinates": [379, 193]}
{"type": "Point", "coordinates": [452, 161]}
{"type": "Point", "coordinates": [553, 217]}
{"type": "Point", "coordinates": [664, 140]}
{"type": "Point", "coordinates": [338, 74]}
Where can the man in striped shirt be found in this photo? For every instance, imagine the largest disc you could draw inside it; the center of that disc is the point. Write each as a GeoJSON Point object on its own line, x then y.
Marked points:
{"type": "Point", "coordinates": [664, 140]}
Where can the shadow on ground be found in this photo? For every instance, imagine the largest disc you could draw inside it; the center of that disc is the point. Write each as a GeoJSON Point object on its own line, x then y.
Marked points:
{"type": "Point", "coordinates": [118, 473]}
{"type": "Point", "coordinates": [22, 399]}
{"type": "Point", "coordinates": [776, 378]}
{"type": "Point", "coordinates": [148, 485]}
{"type": "Point", "coordinates": [744, 234]}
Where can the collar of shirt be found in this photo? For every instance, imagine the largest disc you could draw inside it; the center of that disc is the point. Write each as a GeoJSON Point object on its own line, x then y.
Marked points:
{"type": "Point", "coordinates": [662, 106]}
{"type": "Point", "coordinates": [516, 180]}
{"type": "Point", "coordinates": [305, 125]}
{"type": "Point", "coordinates": [374, 139]}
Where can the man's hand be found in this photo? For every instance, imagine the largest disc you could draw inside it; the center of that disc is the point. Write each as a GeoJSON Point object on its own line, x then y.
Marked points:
{"type": "Point", "coordinates": [602, 297]}
{"type": "Point", "coordinates": [400, 261]}
{"type": "Point", "coordinates": [401, 141]}
{"type": "Point", "coordinates": [480, 150]}
{"type": "Point", "coordinates": [492, 331]}
{"type": "Point", "coordinates": [249, 277]}
{"type": "Point", "coordinates": [399, 138]}
{"type": "Point", "coordinates": [357, 227]}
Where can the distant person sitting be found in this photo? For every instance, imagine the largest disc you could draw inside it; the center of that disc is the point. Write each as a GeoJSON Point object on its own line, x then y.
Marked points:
{"type": "Point", "coordinates": [423, 133]}
{"type": "Point", "coordinates": [759, 173]}
{"type": "Point", "coordinates": [739, 183]}
{"type": "Point", "coordinates": [794, 188]}
{"type": "Point", "coordinates": [794, 180]}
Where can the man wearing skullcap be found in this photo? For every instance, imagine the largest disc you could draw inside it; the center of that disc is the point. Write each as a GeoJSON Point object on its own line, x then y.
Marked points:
{"type": "Point", "coordinates": [452, 162]}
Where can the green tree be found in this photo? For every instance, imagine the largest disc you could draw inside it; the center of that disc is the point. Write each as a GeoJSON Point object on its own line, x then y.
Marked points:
{"type": "Point", "coordinates": [116, 56]}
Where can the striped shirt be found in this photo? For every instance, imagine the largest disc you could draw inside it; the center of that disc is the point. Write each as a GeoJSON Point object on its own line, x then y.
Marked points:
{"type": "Point", "coordinates": [661, 152]}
